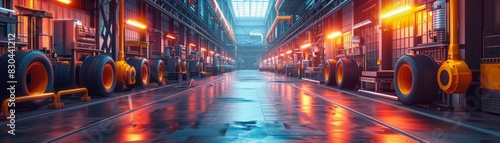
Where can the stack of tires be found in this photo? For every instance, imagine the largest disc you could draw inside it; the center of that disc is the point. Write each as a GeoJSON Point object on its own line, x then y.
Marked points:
{"type": "Point", "coordinates": [343, 73]}
{"type": "Point", "coordinates": [98, 75]}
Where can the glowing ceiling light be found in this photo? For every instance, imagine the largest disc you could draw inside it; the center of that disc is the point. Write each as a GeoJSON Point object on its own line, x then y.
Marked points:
{"type": "Point", "coordinates": [282, 54]}
{"type": "Point", "coordinates": [192, 45]}
{"type": "Point", "coordinates": [136, 24]}
{"type": "Point", "coordinates": [334, 35]}
{"type": "Point", "coordinates": [395, 12]}
{"type": "Point", "coordinates": [203, 49]}
{"type": "Point", "coordinates": [307, 45]}
{"type": "Point", "coordinates": [289, 52]}
{"type": "Point", "coordinates": [171, 36]}
{"type": "Point", "coordinates": [64, 1]}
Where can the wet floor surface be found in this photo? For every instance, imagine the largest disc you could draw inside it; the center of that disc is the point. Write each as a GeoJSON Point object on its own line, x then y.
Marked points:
{"type": "Point", "coordinates": [247, 106]}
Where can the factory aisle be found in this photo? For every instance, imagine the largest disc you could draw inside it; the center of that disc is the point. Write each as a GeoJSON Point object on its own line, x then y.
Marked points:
{"type": "Point", "coordinates": [252, 106]}
{"type": "Point", "coordinates": [244, 106]}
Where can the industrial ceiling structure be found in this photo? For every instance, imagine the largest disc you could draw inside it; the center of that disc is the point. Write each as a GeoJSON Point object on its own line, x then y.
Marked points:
{"type": "Point", "coordinates": [250, 8]}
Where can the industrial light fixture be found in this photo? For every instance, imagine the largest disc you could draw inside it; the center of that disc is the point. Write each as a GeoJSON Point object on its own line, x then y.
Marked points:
{"type": "Point", "coordinates": [192, 45]}
{"type": "Point", "coordinates": [361, 24]}
{"type": "Point", "coordinates": [136, 24]}
{"type": "Point", "coordinates": [64, 1]}
{"type": "Point", "coordinates": [334, 35]}
{"type": "Point", "coordinates": [282, 54]}
{"type": "Point", "coordinates": [307, 45]}
{"type": "Point", "coordinates": [171, 36]}
{"type": "Point", "coordinates": [289, 52]}
{"type": "Point", "coordinates": [395, 12]}
{"type": "Point", "coordinates": [203, 49]}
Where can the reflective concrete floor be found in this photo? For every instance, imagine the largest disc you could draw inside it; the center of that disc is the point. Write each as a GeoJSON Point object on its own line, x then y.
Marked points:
{"type": "Point", "coordinates": [249, 106]}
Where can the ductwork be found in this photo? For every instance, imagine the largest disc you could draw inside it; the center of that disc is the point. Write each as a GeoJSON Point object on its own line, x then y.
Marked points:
{"type": "Point", "coordinates": [257, 33]}
{"type": "Point", "coordinates": [226, 24]}
{"type": "Point", "coordinates": [278, 19]}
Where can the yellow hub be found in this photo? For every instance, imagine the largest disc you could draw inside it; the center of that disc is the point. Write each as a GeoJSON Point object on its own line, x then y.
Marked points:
{"type": "Point", "coordinates": [145, 73]}
{"type": "Point", "coordinates": [327, 72]}
{"type": "Point", "coordinates": [107, 76]}
{"type": "Point", "coordinates": [160, 72]}
{"type": "Point", "coordinates": [454, 76]}
{"type": "Point", "coordinates": [340, 75]}
{"type": "Point", "coordinates": [37, 78]}
{"type": "Point", "coordinates": [125, 73]}
{"type": "Point", "coordinates": [405, 79]}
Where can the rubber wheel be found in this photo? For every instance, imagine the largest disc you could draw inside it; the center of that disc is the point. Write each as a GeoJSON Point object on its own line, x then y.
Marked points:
{"type": "Point", "coordinates": [346, 73]}
{"type": "Point", "coordinates": [157, 70]}
{"type": "Point", "coordinates": [33, 73]}
{"type": "Point", "coordinates": [141, 66]}
{"type": "Point", "coordinates": [415, 79]}
{"type": "Point", "coordinates": [329, 71]}
{"type": "Point", "coordinates": [98, 75]}
{"type": "Point", "coordinates": [64, 78]}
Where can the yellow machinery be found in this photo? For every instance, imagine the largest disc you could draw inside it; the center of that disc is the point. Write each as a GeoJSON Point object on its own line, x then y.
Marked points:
{"type": "Point", "coordinates": [125, 73]}
{"type": "Point", "coordinates": [454, 76]}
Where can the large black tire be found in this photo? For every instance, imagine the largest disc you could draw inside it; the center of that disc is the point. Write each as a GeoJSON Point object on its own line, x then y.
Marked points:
{"type": "Point", "coordinates": [33, 73]}
{"type": "Point", "coordinates": [141, 66]}
{"type": "Point", "coordinates": [157, 69]}
{"type": "Point", "coordinates": [98, 75]}
{"type": "Point", "coordinates": [415, 79]}
{"type": "Point", "coordinates": [329, 71]}
{"type": "Point", "coordinates": [64, 79]}
{"type": "Point", "coordinates": [346, 73]}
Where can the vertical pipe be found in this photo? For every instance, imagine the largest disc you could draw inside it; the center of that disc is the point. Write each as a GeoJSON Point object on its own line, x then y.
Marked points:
{"type": "Point", "coordinates": [453, 48]}
{"type": "Point", "coordinates": [121, 31]}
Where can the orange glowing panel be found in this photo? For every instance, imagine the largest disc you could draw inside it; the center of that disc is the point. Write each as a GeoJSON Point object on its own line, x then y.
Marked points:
{"type": "Point", "coordinates": [171, 37]}
{"type": "Point", "coordinates": [307, 45]}
{"type": "Point", "coordinates": [334, 35]}
{"type": "Point", "coordinates": [395, 12]}
{"type": "Point", "coordinates": [136, 24]}
{"type": "Point", "coordinates": [289, 52]}
{"type": "Point", "coordinates": [64, 1]}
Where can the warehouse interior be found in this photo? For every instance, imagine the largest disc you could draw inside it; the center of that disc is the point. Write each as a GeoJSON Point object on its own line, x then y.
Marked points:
{"type": "Point", "coordinates": [250, 71]}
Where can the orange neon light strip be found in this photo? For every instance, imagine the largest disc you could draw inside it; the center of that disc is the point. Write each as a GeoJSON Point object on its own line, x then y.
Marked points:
{"type": "Point", "coordinates": [395, 12]}
{"type": "Point", "coordinates": [64, 1]}
{"type": "Point", "coordinates": [305, 46]}
{"type": "Point", "coordinates": [136, 24]}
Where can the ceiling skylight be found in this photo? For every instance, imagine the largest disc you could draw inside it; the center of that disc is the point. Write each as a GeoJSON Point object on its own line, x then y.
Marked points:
{"type": "Point", "coordinates": [250, 8]}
